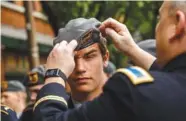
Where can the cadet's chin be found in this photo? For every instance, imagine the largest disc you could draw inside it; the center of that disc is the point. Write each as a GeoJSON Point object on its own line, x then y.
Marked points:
{"type": "Point", "coordinates": [83, 88]}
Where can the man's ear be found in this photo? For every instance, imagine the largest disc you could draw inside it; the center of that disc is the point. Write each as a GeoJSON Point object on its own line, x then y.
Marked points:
{"type": "Point", "coordinates": [106, 59]}
{"type": "Point", "coordinates": [180, 24]}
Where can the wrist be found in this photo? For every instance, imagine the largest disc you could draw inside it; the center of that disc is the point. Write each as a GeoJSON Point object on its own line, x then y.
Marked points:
{"type": "Point", "coordinates": [55, 75]}
{"type": "Point", "coordinates": [55, 80]}
{"type": "Point", "coordinates": [133, 51]}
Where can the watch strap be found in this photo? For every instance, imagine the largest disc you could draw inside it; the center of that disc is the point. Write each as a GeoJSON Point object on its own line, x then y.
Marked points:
{"type": "Point", "coordinates": [55, 73]}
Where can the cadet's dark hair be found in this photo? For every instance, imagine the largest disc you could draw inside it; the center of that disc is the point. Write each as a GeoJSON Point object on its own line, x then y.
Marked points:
{"type": "Point", "coordinates": [103, 46]}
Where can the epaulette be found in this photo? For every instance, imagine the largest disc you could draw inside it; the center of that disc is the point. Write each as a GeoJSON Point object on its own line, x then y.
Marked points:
{"type": "Point", "coordinates": [5, 109]}
{"type": "Point", "coordinates": [7, 114]}
{"type": "Point", "coordinates": [137, 75]}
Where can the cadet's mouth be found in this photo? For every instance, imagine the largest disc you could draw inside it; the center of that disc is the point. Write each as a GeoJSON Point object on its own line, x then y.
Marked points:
{"type": "Point", "coordinates": [82, 80]}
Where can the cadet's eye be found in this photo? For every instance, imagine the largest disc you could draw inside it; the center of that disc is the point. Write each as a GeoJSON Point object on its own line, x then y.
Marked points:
{"type": "Point", "coordinates": [89, 56]}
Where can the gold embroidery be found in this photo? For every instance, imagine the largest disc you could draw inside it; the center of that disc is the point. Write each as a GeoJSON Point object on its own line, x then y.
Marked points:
{"type": "Point", "coordinates": [50, 97]}
{"type": "Point", "coordinates": [144, 77]}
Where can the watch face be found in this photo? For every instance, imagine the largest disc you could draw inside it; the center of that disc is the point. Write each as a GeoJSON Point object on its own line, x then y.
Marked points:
{"type": "Point", "coordinates": [52, 72]}
{"type": "Point", "coordinates": [55, 73]}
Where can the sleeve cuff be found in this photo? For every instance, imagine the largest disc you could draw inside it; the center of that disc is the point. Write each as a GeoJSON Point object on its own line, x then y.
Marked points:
{"type": "Point", "coordinates": [52, 91]}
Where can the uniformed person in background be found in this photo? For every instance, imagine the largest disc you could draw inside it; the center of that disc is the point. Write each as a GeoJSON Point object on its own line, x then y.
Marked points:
{"type": "Point", "coordinates": [110, 69]}
{"type": "Point", "coordinates": [13, 94]}
{"type": "Point", "coordinates": [34, 81]}
{"type": "Point", "coordinates": [7, 114]}
{"type": "Point", "coordinates": [131, 94]}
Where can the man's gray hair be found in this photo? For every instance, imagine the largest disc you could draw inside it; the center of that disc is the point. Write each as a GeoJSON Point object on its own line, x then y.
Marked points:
{"type": "Point", "coordinates": [177, 5]}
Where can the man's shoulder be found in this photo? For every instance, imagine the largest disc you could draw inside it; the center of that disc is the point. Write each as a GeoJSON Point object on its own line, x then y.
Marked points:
{"type": "Point", "coordinates": [142, 90]}
{"type": "Point", "coordinates": [136, 78]}
{"type": "Point", "coordinates": [136, 75]}
{"type": "Point", "coordinates": [8, 114]}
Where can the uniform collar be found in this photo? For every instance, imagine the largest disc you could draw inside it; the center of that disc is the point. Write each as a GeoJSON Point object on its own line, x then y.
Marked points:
{"type": "Point", "coordinates": [70, 103]}
{"type": "Point", "coordinates": [73, 103]}
{"type": "Point", "coordinates": [76, 103]}
{"type": "Point", "coordinates": [178, 63]}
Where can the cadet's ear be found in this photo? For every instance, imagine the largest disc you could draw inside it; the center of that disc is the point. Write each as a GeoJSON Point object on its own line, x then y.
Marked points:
{"type": "Point", "coordinates": [106, 59]}
{"type": "Point", "coordinates": [180, 25]}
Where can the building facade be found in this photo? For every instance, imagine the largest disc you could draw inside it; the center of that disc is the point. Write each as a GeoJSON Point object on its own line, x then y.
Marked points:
{"type": "Point", "coordinates": [14, 47]}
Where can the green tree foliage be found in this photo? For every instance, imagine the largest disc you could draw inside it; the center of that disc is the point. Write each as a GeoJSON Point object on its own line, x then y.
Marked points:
{"type": "Point", "coordinates": [139, 16]}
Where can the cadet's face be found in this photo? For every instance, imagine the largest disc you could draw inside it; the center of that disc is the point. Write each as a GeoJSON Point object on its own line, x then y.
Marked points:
{"type": "Point", "coordinates": [163, 32]}
{"type": "Point", "coordinates": [34, 91]}
{"type": "Point", "coordinates": [10, 99]}
{"type": "Point", "coordinates": [88, 74]}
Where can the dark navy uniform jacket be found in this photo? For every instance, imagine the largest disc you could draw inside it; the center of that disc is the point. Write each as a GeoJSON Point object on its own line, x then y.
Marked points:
{"type": "Point", "coordinates": [7, 114]}
{"type": "Point", "coordinates": [131, 94]}
{"type": "Point", "coordinates": [27, 114]}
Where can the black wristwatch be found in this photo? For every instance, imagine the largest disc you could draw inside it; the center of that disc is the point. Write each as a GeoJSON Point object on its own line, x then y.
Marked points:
{"type": "Point", "coordinates": [55, 73]}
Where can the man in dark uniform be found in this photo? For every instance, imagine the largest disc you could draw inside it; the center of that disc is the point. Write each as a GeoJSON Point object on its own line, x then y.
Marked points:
{"type": "Point", "coordinates": [34, 81]}
{"type": "Point", "coordinates": [7, 114]}
{"type": "Point", "coordinates": [13, 95]}
{"type": "Point", "coordinates": [131, 94]}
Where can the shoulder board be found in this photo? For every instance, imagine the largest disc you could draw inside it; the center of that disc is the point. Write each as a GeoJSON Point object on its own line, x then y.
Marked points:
{"type": "Point", "coordinates": [5, 107]}
{"type": "Point", "coordinates": [5, 112]}
{"type": "Point", "coordinates": [137, 75]}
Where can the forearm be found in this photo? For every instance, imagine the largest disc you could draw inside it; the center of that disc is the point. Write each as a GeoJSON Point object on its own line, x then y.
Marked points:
{"type": "Point", "coordinates": [50, 100]}
{"type": "Point", "coordinates": [141, 58]}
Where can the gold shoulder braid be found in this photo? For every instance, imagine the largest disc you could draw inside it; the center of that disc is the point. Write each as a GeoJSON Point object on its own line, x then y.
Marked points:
{"type": "Point", "coordinates": [137, 75]}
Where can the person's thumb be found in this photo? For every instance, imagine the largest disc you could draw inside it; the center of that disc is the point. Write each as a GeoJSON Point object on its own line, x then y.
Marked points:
{"type": "Point", "coordinates": [112, 34]}
{"type": "Point", "coordinates": [72, 45]}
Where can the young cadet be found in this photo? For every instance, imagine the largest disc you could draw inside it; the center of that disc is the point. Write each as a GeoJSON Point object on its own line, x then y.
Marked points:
{"type": "Point", "coordinates": [131, 94]}
{"type": "Point", "coordinates": [88, 77]}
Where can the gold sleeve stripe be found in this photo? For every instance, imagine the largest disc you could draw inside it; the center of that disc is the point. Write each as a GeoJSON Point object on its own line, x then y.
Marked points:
{"type": "Point", "coordinates": [146, 78]}
{"type": "Point", "coordinates": [4, 112]}
{"type": "Point", "coordinates": [50, 97]}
